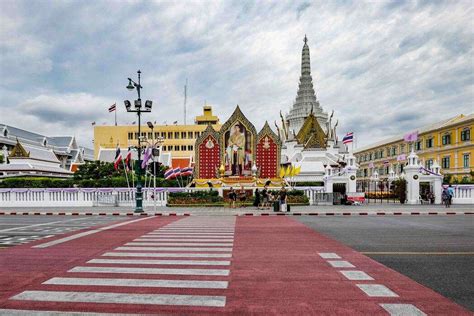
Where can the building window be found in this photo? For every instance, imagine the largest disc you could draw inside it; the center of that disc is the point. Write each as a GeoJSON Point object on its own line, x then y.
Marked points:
{"type": "Point", "coordinates": [150, 135]}
{"type": "Point", "coordinates": [170, 135]}
{"type": "Point", "coordinates": [445, 162]}
{"type": "Point", "coordinates": [176, 148]}
{"type": "Point", "coordinates": [157, 135]}
{"type": "Point", "coordinates": [163, 134]}
{"type": "Point", "coordinates": [428, 163]}
{"type": "Point", "coordinates": [446, 139]}
{"type": "Point", "coordinates": [418, 145]}
{"type": "Point", "coordinates": [370, 156]}
{"type": "Point", "coordinates": [196, 134]}
{"type": "Point", "coordinates": [136, 135]}
{"type": "Point", "coordinates": [466, 134]}
{"type": "Point", "coordinates": [183, 135]}
{"type": "Point", "coordinates": [429, 143]}
{"type": "Point", "coordinates": [176, 135]}
{"type": "Point", "coordinates": [402, 148]}
{"type": "Point", "coordinates": [130, 135]}
{"type": "Point", "coordinates": [190, 135]}
{"type": "Point", "coordinates": [190, 147]}
{"type": "Point", "coordinates": [465, 160]}
{"type": "Point", "coordinates": [183, 147]}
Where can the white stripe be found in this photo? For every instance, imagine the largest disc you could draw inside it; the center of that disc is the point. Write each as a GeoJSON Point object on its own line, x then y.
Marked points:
{"type": "Point", "coordinates": [196, 228]}
{"type": "Point", "coordinates": [376, 290]}
{"type": "Point", "coordinates": [122, 298]}
{"type": "Point", "coordinates": [151, 243]}
{"type": "Point", "coordinates": [356, 275]}
{"type": "Point", "coordinates": [163, 262]}
{"type": "Point", "coordinates": [402, 310]}
{"type": "Point", "coordinates": [139, 283]}
{"type": "Point", "coordinates": [90, 232]}
{"type": "Point", "coordinates": [329, 255]}
{"type": "Point", "coordinates": [196, 233]}
{"type": "Point", "coordinates": [167, 255]}
{"type": "Point", "coordinates": [221, 272]}
{"type": "Point", "coordinates": [187, 240]}
{"type": "Point", "coordinates": [188, 237]}
{"type": "Point", "coordinates": [341, 264]}
{"type": "Point", "coordinates": [174, 249]}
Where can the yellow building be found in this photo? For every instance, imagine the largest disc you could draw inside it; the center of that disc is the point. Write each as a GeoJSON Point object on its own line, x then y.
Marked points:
{"type": "Point", "coordinates": [448, 142]}
{"type": "Point", "coordinates": [178, 139]}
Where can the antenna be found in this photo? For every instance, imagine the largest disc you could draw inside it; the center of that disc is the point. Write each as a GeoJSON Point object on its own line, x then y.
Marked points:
{"type": "Point", "coordinates": [185, 97]}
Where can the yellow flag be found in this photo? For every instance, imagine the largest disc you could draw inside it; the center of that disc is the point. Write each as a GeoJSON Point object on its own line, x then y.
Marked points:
{"type": "Point", "coordinates": [282, 172]}
{"type": "Point", "coordinates": [298, 170]}
{"type": "Point", "coordinates": [288, 171]}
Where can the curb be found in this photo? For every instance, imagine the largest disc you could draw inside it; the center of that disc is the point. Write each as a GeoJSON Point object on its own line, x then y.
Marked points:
{"type": "Point", "coordinates": [344, 214]}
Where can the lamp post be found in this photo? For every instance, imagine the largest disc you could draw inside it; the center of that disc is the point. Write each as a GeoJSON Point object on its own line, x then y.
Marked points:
{"type": "Point", "coordinates": [157, 142]}
{"type": "Point", "coordinates": [138, 109]}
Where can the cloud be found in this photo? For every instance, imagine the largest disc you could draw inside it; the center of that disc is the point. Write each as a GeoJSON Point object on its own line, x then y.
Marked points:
{"type": "Point", "coordinates": [384, 67]}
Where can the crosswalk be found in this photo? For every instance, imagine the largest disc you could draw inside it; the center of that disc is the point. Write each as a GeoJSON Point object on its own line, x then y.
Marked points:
{"type": "Point", "coordinates": [185, 263]}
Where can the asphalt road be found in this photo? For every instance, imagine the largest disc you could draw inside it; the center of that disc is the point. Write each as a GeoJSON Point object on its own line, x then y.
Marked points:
{"type": "Point", "coordinates": [436, 251]}
{"type": "Point", "coordinates": [15, 230]}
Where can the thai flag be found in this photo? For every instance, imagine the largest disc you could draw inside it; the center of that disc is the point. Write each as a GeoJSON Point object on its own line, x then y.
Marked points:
{"type": "Point", "coordinates": [128, 159]}
{"type": "Point", "coordinates": [177, 171]}
{"type": "Point", "coordinates": [118, 158]}
{"type": "Point", "coordinates": [113, 107]}
{"type": "Point", "coordinates": [188, 171]}
{"type": "Point", "coordinates": [169, 174]}
{"type": "Point", "coordinates": [348, 138]}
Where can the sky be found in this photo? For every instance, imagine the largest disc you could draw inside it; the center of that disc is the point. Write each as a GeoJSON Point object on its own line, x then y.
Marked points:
{"type": "Point", "coordinates": [384, 67]}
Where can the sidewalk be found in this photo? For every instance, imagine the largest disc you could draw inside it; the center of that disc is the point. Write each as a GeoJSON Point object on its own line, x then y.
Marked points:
{"type": "Point", "coordinates": [368, 209]}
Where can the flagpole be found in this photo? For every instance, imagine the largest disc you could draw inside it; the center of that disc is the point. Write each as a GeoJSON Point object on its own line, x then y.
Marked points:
{"type": "Point", "coordinates": [115, 116]}
{"type": "Point", "coordinates": [126, 175]}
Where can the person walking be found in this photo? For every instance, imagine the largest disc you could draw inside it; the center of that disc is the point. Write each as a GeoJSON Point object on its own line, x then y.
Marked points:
{"type": "Point", "coordinates": [232, 197]}
{"type": "Point", "coordinates": [450, 194]}
{"type": "Point", "coordinates": [264, 197]}
{"type": "Point", "coordinates": [283, 199]}
{"type": "Point", "coordinates": [445, 197]}
{"type": "Point", "coordinates": [256, 202]}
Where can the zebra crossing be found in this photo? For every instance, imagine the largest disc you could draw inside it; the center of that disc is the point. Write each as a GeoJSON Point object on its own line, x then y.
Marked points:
{"type": "Point", "coordinates": [185, 263]}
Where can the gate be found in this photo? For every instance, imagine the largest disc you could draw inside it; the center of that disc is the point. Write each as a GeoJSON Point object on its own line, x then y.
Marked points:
{"type": "Point", "coordinates": [378, 191]}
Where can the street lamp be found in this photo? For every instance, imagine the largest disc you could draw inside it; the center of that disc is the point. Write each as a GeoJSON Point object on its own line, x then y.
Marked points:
{"type": "Point", "coordinates": [156, 144]}
{"type": "Point", "coordinates": [138, 109]}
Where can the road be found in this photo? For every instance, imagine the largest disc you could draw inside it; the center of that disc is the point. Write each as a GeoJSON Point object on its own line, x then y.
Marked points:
{"type": "Point", "coordinates": [437, 252]}
{"type": "Point", "coordinates": [268, 265]}
{"type": "Point", "coordinates": [15, 230]}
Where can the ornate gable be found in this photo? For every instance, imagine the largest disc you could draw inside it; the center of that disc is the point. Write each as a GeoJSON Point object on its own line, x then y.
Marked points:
{"type": "Point", "coordinates": [19, 151]}
{"type": "Point", "coordinates": [207, 153]}
{"type": "Point", "coordinates": [268, 153]}
{"type": "Point", "coordinates": [237, 116]}
{"type": "Point", "coordinates": [311, 135]}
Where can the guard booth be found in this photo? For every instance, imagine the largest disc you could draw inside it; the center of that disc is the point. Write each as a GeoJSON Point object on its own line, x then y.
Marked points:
{"type": "Point", "coordinates": [341, 182]}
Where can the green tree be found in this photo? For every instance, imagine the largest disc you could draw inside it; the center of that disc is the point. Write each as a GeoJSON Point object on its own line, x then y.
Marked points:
{"type": "Point", "coordinates": [1, 159]}
{"type": "Point", "coordinates": [97, 170]}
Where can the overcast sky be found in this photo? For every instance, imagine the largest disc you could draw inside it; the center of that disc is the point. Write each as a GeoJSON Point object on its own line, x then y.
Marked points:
{"type": "Point", "coordinates": [384, 67]}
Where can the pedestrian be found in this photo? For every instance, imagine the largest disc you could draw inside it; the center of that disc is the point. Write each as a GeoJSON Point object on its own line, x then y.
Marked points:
{"type": "Point", "coordinates": [445, 197]}
{"type": "Point", "coordinates": [232, 197]}
{"type": "Point", "coordinates": [450, 194]}
{"type": "Point", "coordinates": [256, 202]}
{"type": "Point", "coordinates": [264, 197]}
{"type": "Point", "coordinates": [283, 198]}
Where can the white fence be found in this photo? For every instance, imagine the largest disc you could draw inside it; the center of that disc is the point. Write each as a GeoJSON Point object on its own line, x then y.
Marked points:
{"type": "Point", "coordinates": [89, 197]}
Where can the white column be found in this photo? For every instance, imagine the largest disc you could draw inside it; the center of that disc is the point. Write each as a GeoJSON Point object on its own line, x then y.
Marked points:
{"type": "Point", "coordinates": [412, 171]}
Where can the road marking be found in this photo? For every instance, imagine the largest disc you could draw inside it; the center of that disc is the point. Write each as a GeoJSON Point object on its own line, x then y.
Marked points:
{"type": "Point", "coordinates": [376, 290]}
{"type": "Point", "coordinates": [408, 253]}
{"type": "Point", "coordinates": [140, 283]}
{"type": "Point", "coordinates": [167, 255]}
{"type": "Point", "coordinates": [163, 262]}
{"type": "Point", "coordinates": [340, 264]}
{"type": "Point", "coordinates": [191, 233]}
{"type": "Point", "coordinates": [151, 243]}
{"type": "Point", "coordinates": [220, 272]}
{"type": "Point", "coordinates": [186, 239]}
{"type": "Point", "coordinates": [402, 310]}
{"type": "Point", "coordinates": [356, 275]}
{"type": "Point", "coordinates": [36, 225]}
{"type": "Point", "coordinates": [329, 255]}
{"type": "Point", "coordinates": [174, 249]}
{"type": "Point", "coordinates": [90, 232]}
{"type": "Point", "coordinates": [122, 298]}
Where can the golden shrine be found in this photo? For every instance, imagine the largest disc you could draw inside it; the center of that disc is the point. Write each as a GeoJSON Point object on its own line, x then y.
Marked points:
{"type": "Point", "coordinates": [237, 155]}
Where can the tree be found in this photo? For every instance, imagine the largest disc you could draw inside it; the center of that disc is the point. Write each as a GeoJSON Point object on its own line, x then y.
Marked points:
{"type": "Point", "coordinates": [400, 189]}
{"type": "Point", "coordinates": [97, 170]}
{"type": "Point", "coordinates": [1, 159]}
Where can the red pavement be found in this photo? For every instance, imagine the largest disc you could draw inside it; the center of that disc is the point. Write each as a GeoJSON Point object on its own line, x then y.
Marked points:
{"type": "Point", "coordinates": [275, 269]}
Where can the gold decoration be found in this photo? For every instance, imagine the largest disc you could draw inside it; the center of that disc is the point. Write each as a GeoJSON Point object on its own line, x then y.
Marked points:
{"type": "Point", "coordinates": [311, 135]}
{"type": "Point", "coordinates": [19, 151]}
